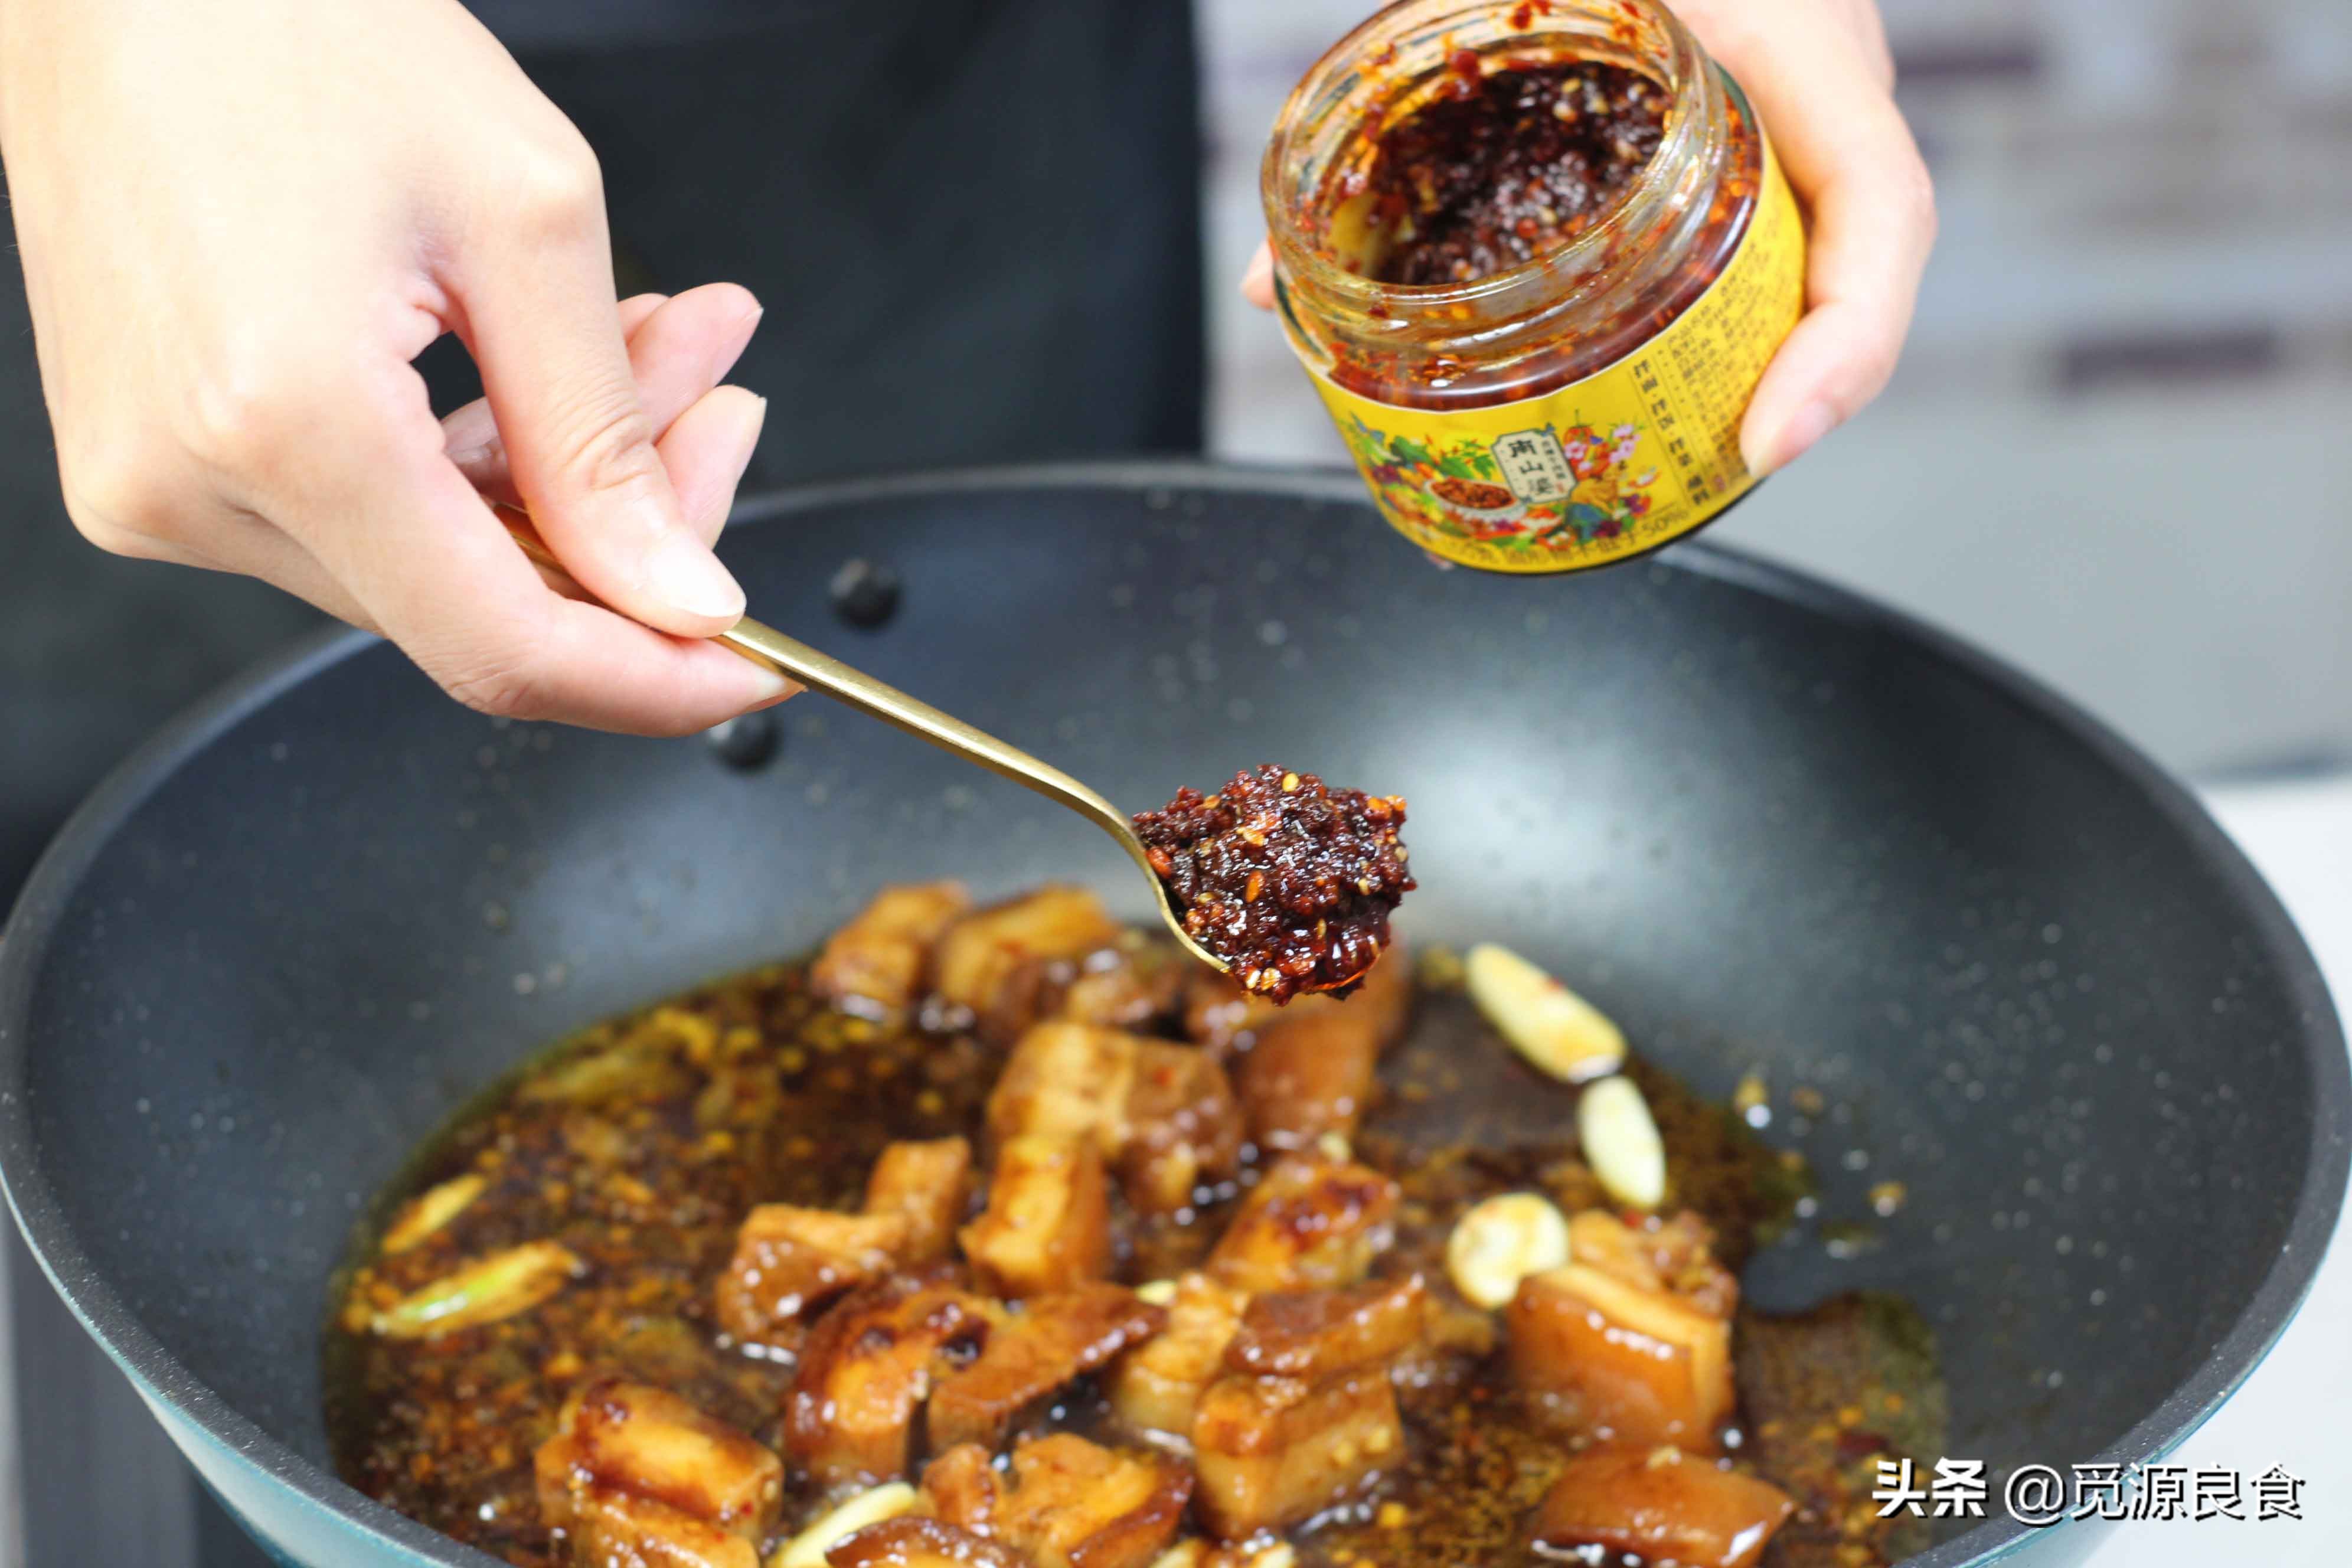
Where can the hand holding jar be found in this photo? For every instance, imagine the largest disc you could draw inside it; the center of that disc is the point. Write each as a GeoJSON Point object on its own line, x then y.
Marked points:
{"type": "Point", "coordinates": [1819, 76]}
{"type": "Point", "coordinates": [1563, 235]}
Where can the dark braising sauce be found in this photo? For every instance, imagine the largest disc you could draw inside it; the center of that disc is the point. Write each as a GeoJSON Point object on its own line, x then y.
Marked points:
{"type": "Point", "coordinates": [605, 1204]}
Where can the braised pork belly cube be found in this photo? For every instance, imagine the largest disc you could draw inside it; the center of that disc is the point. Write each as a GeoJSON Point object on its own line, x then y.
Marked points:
{"type": "Point", "coordinates": [1305, 1413]}
{"type": "Point", "coordinates": [919, 1541]}
{"type": "Point", "coordinates": [1132, 986]}
{"type": "Point", "coordinates": [1308, 1077]}
{"type": "Point", "coordinates": [1299, 1347]}
{"type": "Point", "coordinates": [1157, 1387]}
{"type": "Point", "coordinates": [1220, 1016]}
{"type": "Point", "coordinates": [866, 1369]}
{"type": "Point", "coordinates": [614, 1438]}
{"type": "Point", "coordinates": [1318, 1334]}
{"type": "Point", "coordinates": [616, 1530]}
{"type": "Point", "coordinates": [1223, 1015]}
{"type": "Point", "coordinates": [1451, 1331]}
{"type": "Point", "coordinates": [927, 1183]}
{"type": "Point", "coordinates": [1063, 1502]}
{"type": "Point", "coordinates": [1315, 1070]}
{"type": "Point", "coordinates": [1271, 1451]}
{"type": "Point", "coordinates": [1047, 1225]}
{"type": "Point", "coordinates": [1183, 1124]}
{"type": "Point", "coordinates": [1620, 1361]}
{"type": "Point", "coordinates": [1660, 1505]}
{"type": "Point", "coordinates": [1311, 1223]}
{"type": "Point", "coordinates": [1672, 1254]}
{"type": "Point", "coordinates": [981, 961]}
{"type": "Point", "coordinates": [1030, 1353]}
{"type": "Point", "coordinates": [962, 1486]}
{"type": "Point", "coordinates": [789, 1260]}
{"type": "Point", "coordinates": [874, 965]}
{"type": "Point", "coordinates": [1066, 1082]}
{"type": "Point", "coordinates": [1163, 1115]}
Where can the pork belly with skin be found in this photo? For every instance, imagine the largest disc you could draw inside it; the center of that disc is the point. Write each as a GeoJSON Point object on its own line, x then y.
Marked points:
{"type": "Point", "coordinates": [869, 1366]}
{"type": "Point", "coordinates": [1063, 1501]}
{"type": "Point", "coordinates": [1034, 1353]}
{"type": "Point", "coordinates": [1311, 1223]}
{"type": "Point", "coordinates": [634, 1473]}
{"type": "Point", "coordinates": [1304, 1416]}
{"type": "Point", "coordinates": [875, 965]}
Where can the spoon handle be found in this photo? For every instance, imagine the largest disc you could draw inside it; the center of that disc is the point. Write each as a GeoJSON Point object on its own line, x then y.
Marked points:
{"type": "Point", "coordinates": [822, 672]}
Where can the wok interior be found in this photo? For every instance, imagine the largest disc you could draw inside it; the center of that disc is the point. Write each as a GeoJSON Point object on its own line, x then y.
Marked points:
{"type": "Point", "coordinates": [1761, 835]}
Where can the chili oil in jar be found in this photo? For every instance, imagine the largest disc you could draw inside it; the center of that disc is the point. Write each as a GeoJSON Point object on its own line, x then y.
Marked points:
{"type": "Point", "coordinates": [1536, 257]}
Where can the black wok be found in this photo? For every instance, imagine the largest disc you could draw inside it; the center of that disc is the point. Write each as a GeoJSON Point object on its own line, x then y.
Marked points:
{"type": "Point", "coordinates": [1761, 822]}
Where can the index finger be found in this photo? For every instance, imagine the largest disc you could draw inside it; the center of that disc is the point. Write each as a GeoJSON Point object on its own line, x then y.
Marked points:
{"type": "Point", "coordinates": [537, 297]}
{"type": "Point", "coordinates": [396, 525]}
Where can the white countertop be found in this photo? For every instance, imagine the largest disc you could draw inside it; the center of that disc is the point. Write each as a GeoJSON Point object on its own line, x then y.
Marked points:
{"type": "Point", "coordinates": [2291, 1412]}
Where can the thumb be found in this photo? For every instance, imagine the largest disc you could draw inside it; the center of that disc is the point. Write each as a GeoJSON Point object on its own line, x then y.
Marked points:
{"type": "Point", "coordinates": [1257, 281]}
{"type": "Point", "coordinates": [579, 443]}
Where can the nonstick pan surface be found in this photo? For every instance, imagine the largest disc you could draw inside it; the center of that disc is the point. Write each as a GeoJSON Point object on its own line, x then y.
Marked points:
{"type": "Point", "coordinates": [1763, 823]}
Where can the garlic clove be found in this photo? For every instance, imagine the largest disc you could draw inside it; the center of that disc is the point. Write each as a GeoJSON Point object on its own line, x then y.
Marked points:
{"type": "Point", "coordinates": [1621, 1143]}
{"type": "Point", "coordinates": [1557, 1031]}
{"type": "Point", "coordinates": [1500, 1242]}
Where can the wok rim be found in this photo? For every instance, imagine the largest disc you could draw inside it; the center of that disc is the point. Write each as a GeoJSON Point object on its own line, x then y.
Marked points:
{"type": "Point", "coordinates": [26, 939]}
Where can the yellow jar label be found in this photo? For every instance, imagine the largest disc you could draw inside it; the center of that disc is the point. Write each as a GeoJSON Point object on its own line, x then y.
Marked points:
{"type": "Point", "coordinates": [1609, 467]}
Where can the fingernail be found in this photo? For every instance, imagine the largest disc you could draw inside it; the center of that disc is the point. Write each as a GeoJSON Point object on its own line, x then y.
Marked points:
{"type": "Point", "coordinates": [1259, 273]}
{"type": "Point", "coordinates": [770, 688]}
{"type": "Point", "coordinates": [686, 577]}
{"type": "Point", "coordinates": [750, 424]}
{"type": "Point", "coordinates": [1813, 421]}
{"type": "Point", "coordinates": [745, 325]}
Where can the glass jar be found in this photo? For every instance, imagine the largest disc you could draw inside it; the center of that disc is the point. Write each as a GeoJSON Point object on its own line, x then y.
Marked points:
{"type": "Point", "coordinates": [1581, 407]}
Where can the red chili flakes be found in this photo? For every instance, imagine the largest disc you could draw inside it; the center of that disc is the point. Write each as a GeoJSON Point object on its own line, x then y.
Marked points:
{"type": "Point", "coordinates": [1507, 165]}
{"type": "Point", "coordinates": [1287, 880]}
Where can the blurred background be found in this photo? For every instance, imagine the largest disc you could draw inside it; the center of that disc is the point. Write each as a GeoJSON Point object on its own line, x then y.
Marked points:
{"type": "Point", "coordinates": [2119, 452]}
{"type": "Point", "coordinates": [2116, 450]}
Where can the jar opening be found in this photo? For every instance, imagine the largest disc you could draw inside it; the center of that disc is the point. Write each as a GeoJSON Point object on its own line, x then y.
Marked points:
{"type": "Point", "coordinates": [1407, 57]}
{"type": "Point", "coordinates": [1503, 159]}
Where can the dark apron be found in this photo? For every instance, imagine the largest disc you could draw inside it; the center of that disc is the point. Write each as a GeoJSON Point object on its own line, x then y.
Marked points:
{"type": "Point", "coordinates": [974, 223]}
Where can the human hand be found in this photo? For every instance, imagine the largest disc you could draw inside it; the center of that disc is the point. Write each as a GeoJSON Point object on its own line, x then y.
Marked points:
{"type": "Point", "coordinates": [240, 220]}
{"type": "Point", "coordinates": [1821, 80]}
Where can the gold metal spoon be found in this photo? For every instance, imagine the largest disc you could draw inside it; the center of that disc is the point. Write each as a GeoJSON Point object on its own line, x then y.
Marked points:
{"type": "Point", "coordinates": [795, 661]}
